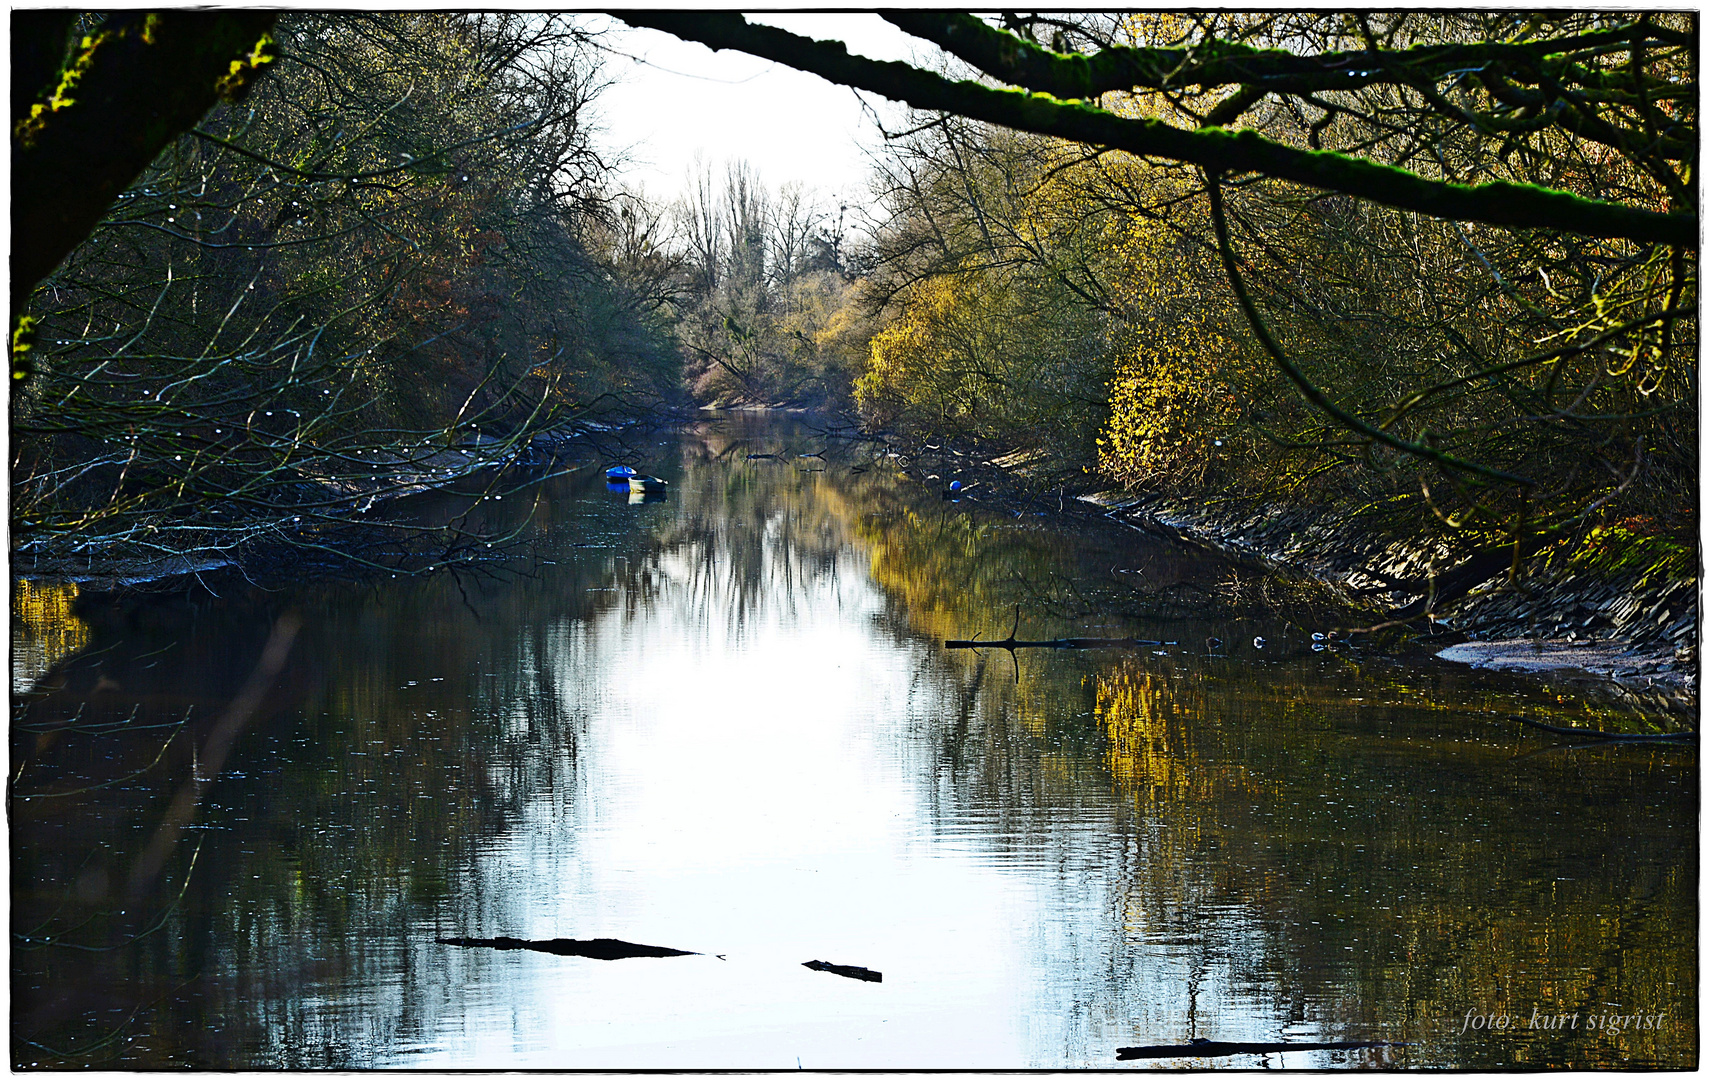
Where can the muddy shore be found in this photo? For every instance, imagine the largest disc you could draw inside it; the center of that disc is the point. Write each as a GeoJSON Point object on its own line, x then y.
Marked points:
{"type": "Point", "coordinates": [1636, 629]}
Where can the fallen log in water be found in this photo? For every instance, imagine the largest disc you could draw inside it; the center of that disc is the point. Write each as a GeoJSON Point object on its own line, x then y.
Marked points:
{"type": "Point", "coordinates": [602, 948]}
{"type": "Point", "coordinates": [1012, 643]}
{"type": "Point", "coordinates": [1208, 1048]}
{"type": "Point", "coordinates": [846, 971]}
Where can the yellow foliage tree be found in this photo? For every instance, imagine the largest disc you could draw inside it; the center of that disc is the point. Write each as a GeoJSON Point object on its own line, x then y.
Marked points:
{"type": "Point", "coordinates": [1173, 407]}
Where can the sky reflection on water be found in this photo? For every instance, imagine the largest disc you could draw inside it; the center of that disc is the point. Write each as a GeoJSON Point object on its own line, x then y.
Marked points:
{"type": "Point", "coordinates": [729, 726]}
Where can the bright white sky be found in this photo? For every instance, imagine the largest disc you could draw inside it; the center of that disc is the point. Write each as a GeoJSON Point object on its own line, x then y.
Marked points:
{"type": "Point", "coordinates": [684, 100]}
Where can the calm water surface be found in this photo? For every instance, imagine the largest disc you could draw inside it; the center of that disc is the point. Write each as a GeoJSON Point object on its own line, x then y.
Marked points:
{"type": "Point", "coordinates": [725, 722]}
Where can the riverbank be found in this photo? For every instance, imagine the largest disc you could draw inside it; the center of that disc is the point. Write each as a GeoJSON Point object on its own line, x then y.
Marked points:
{"type": "Point", "coordinates": [356, 522]}
{"type": "Point", "coordinates": [1632, 627]}
{"type": "Point", "coordinates": [1635, 626]}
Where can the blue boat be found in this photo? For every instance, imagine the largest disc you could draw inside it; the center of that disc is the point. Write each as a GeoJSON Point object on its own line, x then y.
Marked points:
{"type": "Point", "coordinates": [619, 473]}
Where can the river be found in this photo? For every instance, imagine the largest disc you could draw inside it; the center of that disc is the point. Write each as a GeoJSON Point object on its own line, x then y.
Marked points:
{"type": "Point", "coordinates": [725, 722]}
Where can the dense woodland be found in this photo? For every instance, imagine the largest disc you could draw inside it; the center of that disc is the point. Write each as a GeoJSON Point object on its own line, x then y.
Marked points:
{"type": "Point", "coordinates": [400, 244]}
{"type": "Point", "coordinates": [402, 258]}
{"type": "Point", "coordinates": [1474, 382]}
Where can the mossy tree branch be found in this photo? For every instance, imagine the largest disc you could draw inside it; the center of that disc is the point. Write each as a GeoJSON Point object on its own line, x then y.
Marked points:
{"type": "Point", "coordinates": [1216, 150]}
{"type": "Point", "coordinates": [1211, 64]}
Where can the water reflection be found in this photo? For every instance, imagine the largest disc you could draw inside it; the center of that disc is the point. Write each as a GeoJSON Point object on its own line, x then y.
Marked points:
{"type": "Point", "coordinates": [724, 722]}
{"type": "Point", "coordinates": [45, 630]}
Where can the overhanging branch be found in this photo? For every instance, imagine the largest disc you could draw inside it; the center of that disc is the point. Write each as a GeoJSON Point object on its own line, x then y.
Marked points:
{"type": "Point", "coordinates": [1309, 390]}
{"type": "Point", "coordinates": [130, 89]}
{"type": "Point", "coordinates": [1211, 64]}
{"type": "Point", "coordinates": [1217, 151]}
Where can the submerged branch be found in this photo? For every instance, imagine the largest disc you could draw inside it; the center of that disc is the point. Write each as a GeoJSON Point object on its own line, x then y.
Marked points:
{"type": "Point", "coordinates": [1012, 643]}
{"type": "Point", "coordinates": [1612, 736]}
{"type": "Point", "coordinates": [1209, 1048]}
{"type": "Point", "coordinates": [603, 948]}
{"type": "Point", "coordinates": [847, 971]}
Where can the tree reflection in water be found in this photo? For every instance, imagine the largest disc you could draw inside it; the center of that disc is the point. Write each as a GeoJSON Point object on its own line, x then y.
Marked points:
{"type": "Point", "coordinates": [726, 721]}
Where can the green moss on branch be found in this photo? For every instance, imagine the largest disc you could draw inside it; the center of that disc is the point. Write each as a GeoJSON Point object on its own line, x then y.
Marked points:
{"type": "Point", "coordinates": [127, 91]}
{"type": "Point", "coordinates": [1218, 63]}
{"type": "Point", "coordinates": [1214, 149]}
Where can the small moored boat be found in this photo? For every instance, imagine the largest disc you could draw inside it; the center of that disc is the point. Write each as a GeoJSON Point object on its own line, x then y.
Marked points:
{"type": "Point", "coordinates": [646, 483]}
{"type": "Point", "coordinates": [619, 473]}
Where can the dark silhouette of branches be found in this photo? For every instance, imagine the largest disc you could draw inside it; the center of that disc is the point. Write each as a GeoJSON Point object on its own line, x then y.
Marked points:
{"type": "Point", "coordinates": [87, 125]}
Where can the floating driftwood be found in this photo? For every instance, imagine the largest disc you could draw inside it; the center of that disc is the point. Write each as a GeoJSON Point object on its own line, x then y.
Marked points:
{"type": "Point", "coordinates": [1012, 643]}
{"type": "Point", "coordinates": [846, 971]}
{"type": "Point", "coordinates": [1208, 1048]}
{"type": "Point", "coordinates": [600, 948]}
